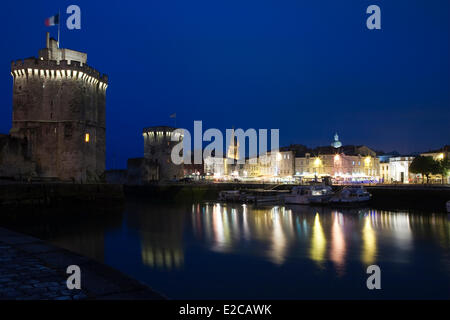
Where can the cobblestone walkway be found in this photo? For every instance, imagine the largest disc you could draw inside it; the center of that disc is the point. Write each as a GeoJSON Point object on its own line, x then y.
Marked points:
{"type": "Point", "coordinates": [31, 269]}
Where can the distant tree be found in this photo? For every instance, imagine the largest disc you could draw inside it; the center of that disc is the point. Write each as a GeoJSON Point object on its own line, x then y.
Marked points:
{"type": "Point", "coordinates": [442, 168]}
{"type": "Point", "coordinates": [424, 166]}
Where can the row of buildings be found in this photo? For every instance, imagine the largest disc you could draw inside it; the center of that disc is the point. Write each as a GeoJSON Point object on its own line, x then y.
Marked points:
{"type": "Point", "coordinates": [295, 163]}
{"type": "Point", "coordinates": [342, 164]}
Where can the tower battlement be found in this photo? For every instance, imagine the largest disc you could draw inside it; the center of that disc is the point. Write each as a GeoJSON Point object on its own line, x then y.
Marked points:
{"type": "Point", "coordinates": [58, 70]}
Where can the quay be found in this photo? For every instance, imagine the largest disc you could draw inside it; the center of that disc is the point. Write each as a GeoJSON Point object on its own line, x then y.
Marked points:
{"type": "Point", "coordinates": [31, 269]}
{"type": "Point", "coordinates": [424, 197]}
{"type": "Point", "coordinates": [54, 194]}
{"type": "Point", "coordinates": [431, 197]}
{"type": "Point", "coordinates": [45, 195]}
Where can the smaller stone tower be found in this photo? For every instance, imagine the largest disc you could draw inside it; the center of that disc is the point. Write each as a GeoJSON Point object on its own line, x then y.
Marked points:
{"type": "Point", "coordinates": [158, 146]}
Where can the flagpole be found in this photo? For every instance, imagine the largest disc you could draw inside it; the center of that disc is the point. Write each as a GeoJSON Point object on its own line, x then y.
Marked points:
{"type": "Point", "coordinates": [59, 24]}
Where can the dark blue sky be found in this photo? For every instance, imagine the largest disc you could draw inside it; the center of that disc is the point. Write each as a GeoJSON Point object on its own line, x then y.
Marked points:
{"type": "Point", "coordinates": [309, 68]}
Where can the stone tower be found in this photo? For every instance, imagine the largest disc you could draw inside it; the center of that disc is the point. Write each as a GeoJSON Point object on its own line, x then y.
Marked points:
{"type": "Point", "coordinates": [158, 146]}
{"type": "Point", "coordinates": [59, 108]}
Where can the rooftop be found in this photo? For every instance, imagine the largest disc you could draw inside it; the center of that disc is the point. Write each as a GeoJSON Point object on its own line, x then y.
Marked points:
{"type": "Point", "coordinates": [159, 128]}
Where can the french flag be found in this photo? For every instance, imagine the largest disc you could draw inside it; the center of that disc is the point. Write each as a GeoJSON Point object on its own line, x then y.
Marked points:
{"type": "Point", "coordinates": [52, 21]}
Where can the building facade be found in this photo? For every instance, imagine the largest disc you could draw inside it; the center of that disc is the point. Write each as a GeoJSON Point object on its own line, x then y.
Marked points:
{"type": "Point", "coordinates": [297, 162]}
{"type": "Point", "coordinates": [439, 155]}
{"type": "Point", "coordinates": [395, 169]}
{"type": "Point", "coordinates": [339, 166]}
{"type": "Point", "coordinates": [399, 170]}
{"type": "Point", "coordinates": [344, 164]}
{"type": "Point", "coordinates": [384, 172]}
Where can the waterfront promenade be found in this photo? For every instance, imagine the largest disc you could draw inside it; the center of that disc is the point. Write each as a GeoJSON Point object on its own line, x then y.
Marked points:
{"type": "Point", "coordinates": [31, 269]}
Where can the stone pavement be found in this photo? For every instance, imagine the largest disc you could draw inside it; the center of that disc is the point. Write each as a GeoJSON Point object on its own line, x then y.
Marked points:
{"type": "Point", "coordinates": [31, 269]}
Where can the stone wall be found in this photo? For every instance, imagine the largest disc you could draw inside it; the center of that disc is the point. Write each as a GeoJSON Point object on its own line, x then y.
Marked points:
{"type": "Point", "coordinates": [117, 176]}
{"type": "Point", "coordinates": [142, 171]}
{"type": "Point", "coordinates": [55, 194]}
{"type": "Point", "coordinates": [15, 161]}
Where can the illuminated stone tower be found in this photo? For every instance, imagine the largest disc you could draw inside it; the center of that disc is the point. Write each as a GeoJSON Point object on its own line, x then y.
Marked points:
{"type": "Point", "coordinates": [158, 146]}
{"type": "Point", "coordinates": [59, 108]}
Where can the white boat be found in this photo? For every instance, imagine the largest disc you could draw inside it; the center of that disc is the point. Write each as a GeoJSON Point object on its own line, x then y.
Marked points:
{"type": "Point", "coordinates": [309, 194]}
{"type": "Point", "coordinates": [350, 195]}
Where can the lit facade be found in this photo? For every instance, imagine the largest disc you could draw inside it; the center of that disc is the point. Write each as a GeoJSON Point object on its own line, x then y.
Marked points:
{"type": "Point", "coordinates": [214, 167]}
{"type": "Point", "coordinates": [384, 172]}
{"type": "Point", "coordinates": [439, 155]}
{"type": "Point", "coordinates": [341, 167]}
{"type": "Point", "coordinates": [398, 170]}
{"type": "Point", "coordinates": [342, 163]}
{"type": "Point", "coordinates": [272, 166]}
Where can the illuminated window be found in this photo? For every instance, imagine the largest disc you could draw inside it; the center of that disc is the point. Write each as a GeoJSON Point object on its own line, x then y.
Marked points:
{"type": "Point", "coordinates": [86, 137]}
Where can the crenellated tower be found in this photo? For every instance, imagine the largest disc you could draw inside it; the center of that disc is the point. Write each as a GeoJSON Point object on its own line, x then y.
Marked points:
{"type": "Point", "coordinates": [158, 144]}
{"type": "Point", "coordinates": [59, 108]}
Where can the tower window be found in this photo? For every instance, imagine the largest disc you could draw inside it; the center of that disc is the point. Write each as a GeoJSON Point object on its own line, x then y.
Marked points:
{"type": "Point", "coordinates": [86, 137]}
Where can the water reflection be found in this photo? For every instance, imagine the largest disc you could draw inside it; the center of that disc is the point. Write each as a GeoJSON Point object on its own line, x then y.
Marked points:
{"type": "Point", "coordinates": [369, 241]}
{"type": "Point", "coordinates": [318, 242]}
{"type": "Point", "coordinates": [278, 239]}
{"type": "Point", "coordinates": [78, 229]}
{"type": "Point", "coordinates": [281, 233]}
{"type": "Point", "coordinates": [160, 230]}
{"type": "Point", "coordinates": [337, 254]}
{"type": "Point", "coordinates": [222, 250]}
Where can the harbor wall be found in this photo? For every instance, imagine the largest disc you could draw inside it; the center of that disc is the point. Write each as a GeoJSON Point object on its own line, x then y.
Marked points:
{"type": "Point", "coordinates": [420, 197]}
{"type": "Point", "coordinates": [423, 197]}
{"type": "Point", "coordinates": [427, 197]}
{"type": "Point", "coordinates": [56, 194]}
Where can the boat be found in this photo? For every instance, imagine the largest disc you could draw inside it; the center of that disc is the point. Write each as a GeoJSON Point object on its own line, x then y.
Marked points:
{"type": "Point", "coordinates": [230, 195]}
{"type": "Point", "coordinates": [351, 194]}
{"type": "Point", "coordinates": [257, 196]}
{"type": "Point", "coordinates": [261, 196]}
{"type": "Point", "coordinates": [313, 194]}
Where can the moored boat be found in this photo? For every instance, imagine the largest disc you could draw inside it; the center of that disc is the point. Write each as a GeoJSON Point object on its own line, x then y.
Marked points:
{"type": "Point", "coordinates": [313, 194]}
{"type": "Point", "coordinates": [351, 195]}
{"type": "Point", "coordinates": [260, 196]}
{"type": "Point", "coordinates": [257, 196]}
{"type": "Point", "coordinates": [230, 195]}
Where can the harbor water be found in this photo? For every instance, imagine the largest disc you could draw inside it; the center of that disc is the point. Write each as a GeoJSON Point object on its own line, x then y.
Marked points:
{"type": "Point", "coordinates": [209, 250]}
